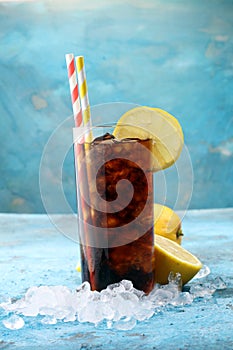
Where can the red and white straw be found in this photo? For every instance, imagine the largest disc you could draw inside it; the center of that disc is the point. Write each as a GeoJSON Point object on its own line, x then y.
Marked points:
{"type": "Point", "coordinates": [74, 92]}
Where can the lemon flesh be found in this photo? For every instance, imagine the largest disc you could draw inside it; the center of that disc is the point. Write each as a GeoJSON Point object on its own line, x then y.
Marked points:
{"type": "Point", "coordinates": [171, 257]}
{"type": "Point", "coordinates": [158, 125]}
{"type": "Point", "coordinates": [167, 223]}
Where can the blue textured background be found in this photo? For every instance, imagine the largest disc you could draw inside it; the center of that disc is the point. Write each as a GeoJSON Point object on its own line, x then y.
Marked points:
{"type": "Point", "coordinates": [176, 55]}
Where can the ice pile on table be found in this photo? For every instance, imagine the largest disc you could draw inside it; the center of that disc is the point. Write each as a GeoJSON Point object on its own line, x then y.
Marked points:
{"type": "Point", "coordinates": [120, 305]}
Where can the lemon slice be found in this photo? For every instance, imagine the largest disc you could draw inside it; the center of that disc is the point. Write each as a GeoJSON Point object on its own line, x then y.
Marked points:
{"type": "Point", "coordinates": [171, 257]}
{"type": "Point", "coordinates": [157, 124]}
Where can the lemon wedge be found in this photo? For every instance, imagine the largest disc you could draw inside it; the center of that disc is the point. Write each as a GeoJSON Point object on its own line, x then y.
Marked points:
{"type": "Point", "coordinates": [171, 257]}
{"type": "Point", "coordinates": [158, 125]}
{"type": "Point", "coordinates": [167, 223]}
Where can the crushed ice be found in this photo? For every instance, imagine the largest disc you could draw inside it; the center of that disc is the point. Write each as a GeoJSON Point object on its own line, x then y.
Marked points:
{"type": "Point", "coordinates": [204, 271]}
{"type": "Point", "coordinates": [120, 305]}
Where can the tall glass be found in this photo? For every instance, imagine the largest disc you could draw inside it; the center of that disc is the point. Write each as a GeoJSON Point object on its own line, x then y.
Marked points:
{"type": "Point", "coordinates": [115, 208]}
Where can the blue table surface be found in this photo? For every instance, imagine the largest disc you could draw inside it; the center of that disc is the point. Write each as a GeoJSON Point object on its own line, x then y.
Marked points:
{"type": "Point", "coordinates": [34, 253]}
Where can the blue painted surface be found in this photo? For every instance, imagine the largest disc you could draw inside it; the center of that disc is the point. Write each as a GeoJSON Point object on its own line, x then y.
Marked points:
{"type": "Point", "coordinates": [33, 252]}
{"type": "Point", "coordinates": [176, 55]}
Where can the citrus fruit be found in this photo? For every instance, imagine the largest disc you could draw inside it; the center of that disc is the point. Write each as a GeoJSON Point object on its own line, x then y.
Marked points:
{"type": "Point", "coordinates": [167, 223]}
{"type": "Point", "coordinates": [171, 257]}
{"type": "Point", "coordinates": [78, 267]}
{"type": "Point", "coordinates": [158, 125]}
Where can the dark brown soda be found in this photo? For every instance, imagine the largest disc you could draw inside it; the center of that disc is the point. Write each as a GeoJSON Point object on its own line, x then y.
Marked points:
{"type": "Point", "coordinates": [130, 250]}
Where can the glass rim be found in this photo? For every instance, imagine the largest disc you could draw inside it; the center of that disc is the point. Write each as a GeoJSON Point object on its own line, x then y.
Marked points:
{"type": "Point", "coordinates": [82, 131]}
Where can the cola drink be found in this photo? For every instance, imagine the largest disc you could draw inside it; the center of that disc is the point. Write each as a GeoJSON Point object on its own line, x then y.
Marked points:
{"type": "Point", "coordinates": [115, 206]}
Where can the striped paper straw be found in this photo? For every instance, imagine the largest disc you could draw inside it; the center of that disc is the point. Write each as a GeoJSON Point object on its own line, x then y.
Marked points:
{"type": "Point", "coordinates": [79, 121]}
{"type": "Point", "coordinates": [85, 105]}
{"type": "Point", "coordinates": [77, 111]}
